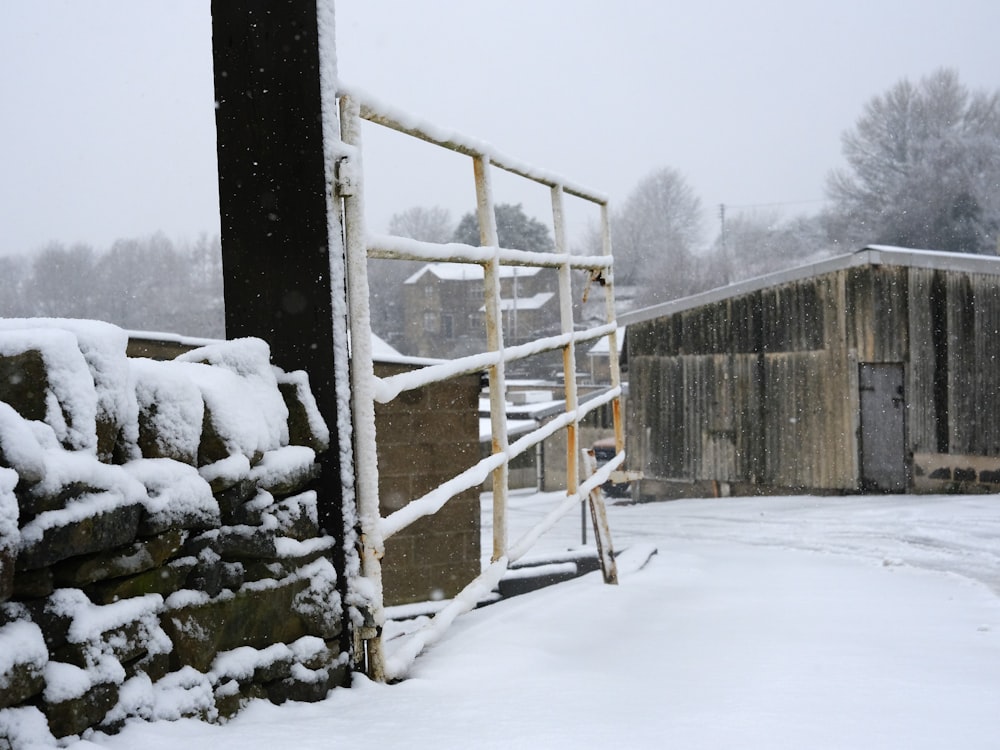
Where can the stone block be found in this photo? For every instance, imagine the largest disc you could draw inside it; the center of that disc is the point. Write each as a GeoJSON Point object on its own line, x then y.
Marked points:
{"type": "Point", "coordinates": [7, 560]}
{"type": "Point", "coordinates": [33, 584]}
{"type": "Point", "coordinates": [305, 425]}
{"type": "Point", "coordinates": [251, 617]}
{"type": "Point", "coordinates": [54, 625]}
{"type": "Point", "coordinates": [33, 500]}
{"type": "Point", "coordinates": [282, 567]}
{"type": "Point", "coordinates": [25, 654]}
{"type": "Point", "coordinates": [104, 527]}
{"type": "Point", "coordinates": [125, 643]}
{"type": "Point", "coordinates": [307, 685]}
{"type": "Point", "coordinates": [45, 377]}
{"type": "Point", "coordinates": [245, 543]}
{"type": "Point", "coordinates": [21, 683]}
{"type": "Point", "coordinates": [212, 575]}
{"type": "Point", "coordinates": [232, 501]}
{"type": "Point", "coordinates": [285, 471]}
{"type": "Point", "coordinates": [24, 383]}
{"type": "Point", "coordinates": [189, 519]}
{"type": "Point", "coordinates": [213, 446]}
{"type": "Point", "coordinates": [297, 517]}
{"type": "Point", "coordinates": [231, 697]}
{"type": "Point", "coordinates": [155, 666]}
{"type": "Point", "coordinates": [163, 581]}
{"type": "Point", "coordinates": [154, 441]}
{"type": "Point", "coordinates": [76, 714]}
{"type": "Point", "coordinates": [141, 556]}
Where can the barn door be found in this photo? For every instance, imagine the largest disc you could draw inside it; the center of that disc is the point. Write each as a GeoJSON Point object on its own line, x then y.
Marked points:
{"type": "Point", "coordinates": [883, 428]}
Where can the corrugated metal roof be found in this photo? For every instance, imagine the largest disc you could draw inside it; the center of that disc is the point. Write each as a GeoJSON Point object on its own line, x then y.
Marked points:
{"type": "Point", "coordinates": [871, 255]}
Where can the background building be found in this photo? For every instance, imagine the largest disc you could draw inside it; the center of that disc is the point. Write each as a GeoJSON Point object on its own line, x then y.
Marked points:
{"type": "Point", "coordinates": [444, 308]}
{"type": "Point", "coordinates": [874, 371]}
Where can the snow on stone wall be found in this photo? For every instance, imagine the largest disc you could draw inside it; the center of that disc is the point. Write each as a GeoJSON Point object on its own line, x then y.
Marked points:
{"type": "Point", "coordinates": [160, 554]}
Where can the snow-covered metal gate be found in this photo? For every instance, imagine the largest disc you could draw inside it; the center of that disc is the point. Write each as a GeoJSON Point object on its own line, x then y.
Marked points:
{"type": "Point", "coordinates": [366, 389]}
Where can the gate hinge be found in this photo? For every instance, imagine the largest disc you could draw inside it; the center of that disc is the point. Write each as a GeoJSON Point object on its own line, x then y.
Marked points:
{"type": "Point", "coordinates": [345, 177]}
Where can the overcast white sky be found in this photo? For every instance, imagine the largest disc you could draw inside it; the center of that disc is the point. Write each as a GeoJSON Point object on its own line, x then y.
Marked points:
{"type": "Point", "coordinates": [107, 126]}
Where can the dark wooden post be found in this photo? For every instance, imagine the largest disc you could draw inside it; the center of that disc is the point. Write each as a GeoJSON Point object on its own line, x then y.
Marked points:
{"type": "Point", "coordinates": [276, 252]}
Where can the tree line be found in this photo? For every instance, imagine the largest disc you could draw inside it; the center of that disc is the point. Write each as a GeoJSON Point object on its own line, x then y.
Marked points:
{"type": "Point", "coordinates": [147, 283]}
{"type": "Point", "coordinates": [922, 171]}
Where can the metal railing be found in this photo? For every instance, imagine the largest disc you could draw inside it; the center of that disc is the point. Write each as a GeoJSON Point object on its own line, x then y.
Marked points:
{"type": "Point", "coordinates": [366, 389]}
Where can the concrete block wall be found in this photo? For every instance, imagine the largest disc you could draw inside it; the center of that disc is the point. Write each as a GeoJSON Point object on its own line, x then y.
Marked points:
{"type": "Point", "coordinates": [425, 437]}
{"type": "Point", "coordinates": [160, 554]}
{"type": "Point", "coordinates": [955, 473]}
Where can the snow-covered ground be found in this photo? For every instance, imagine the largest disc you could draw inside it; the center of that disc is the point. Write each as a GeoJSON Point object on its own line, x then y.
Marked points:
{"type": "Point", "coordinates": [795, 622]}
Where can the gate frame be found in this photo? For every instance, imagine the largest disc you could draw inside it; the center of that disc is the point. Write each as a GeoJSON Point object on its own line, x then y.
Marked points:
{"type": "Point", "coordinates": [366, 389]}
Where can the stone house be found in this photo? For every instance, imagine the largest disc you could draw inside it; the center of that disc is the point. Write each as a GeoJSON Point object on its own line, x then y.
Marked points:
{"type": "Point", "coordinates": [445, 311]}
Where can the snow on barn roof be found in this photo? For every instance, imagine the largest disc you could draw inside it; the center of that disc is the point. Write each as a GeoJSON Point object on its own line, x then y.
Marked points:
{"type": "Point", "coordinates": [872, 255]}
{"type": "Point", "coordinates": [468, 272]}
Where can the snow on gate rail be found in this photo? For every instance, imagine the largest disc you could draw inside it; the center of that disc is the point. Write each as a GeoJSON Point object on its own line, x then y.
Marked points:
{"type": "Point", "coordinates": [366, 389]}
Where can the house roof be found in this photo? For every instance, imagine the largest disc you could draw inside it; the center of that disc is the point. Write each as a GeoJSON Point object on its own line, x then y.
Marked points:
{"type": "Point", "coordinates": [872, 255]}
{"type": "Point", "coordinates": [468, 272]}
{"type": "Point", "coordinates": [533, 302]}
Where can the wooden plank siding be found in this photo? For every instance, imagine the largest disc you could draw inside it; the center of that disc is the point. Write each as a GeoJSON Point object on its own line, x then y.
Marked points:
{"type": "Point", "coordinates": [760, 390]}
{"type": "Point", "coordinates": [748, 391]}
{"type": "Point", "coordinates": [954, 380]}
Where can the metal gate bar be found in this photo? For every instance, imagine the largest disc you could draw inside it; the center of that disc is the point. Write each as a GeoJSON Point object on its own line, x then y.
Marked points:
{"type": "Point", "coordinates": [367, 389]}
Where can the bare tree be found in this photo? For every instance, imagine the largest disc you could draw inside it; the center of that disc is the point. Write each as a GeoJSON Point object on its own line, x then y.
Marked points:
{"type": "Point", "coordinates": [14, 276]}
{"type": "Point", "coordinates": [924, 163]}
{"type": "Point", "coordinates": [432, 224]}
{"type": "Point", "coordinates": [760, 242]}
{"type": "Point", "coordinates": [140, 283]}
{"type": "Point", "coordinates": [63, 282]}
{"type": "Point", "coordinates": [655, 233]}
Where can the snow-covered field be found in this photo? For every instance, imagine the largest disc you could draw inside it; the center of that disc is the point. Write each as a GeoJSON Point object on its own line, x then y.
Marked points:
{"type": "Point", "coordinates": [795, 622]}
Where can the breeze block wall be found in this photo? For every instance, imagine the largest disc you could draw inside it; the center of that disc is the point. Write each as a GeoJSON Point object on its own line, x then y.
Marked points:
{"type": "Point", "coordinates": [160, 554]}
{"type": "Point", "coordinates": [425, 437]}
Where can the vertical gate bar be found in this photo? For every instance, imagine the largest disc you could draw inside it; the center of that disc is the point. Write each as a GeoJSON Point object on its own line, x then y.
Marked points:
{"type": "Point", "coordinates": [598, 511]}
{"type": "Point", "coordinates": [494, 340]}
{"type": "Point", "coordinates": [569, 351]}
{"type": "Point", "coordinates": [609, 311]}
{"type": "Point", "coordinates": [362, 381]}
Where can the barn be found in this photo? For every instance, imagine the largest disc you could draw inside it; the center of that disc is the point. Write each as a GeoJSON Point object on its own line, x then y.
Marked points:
{"type": "Point", "coordinates": [874, 371]}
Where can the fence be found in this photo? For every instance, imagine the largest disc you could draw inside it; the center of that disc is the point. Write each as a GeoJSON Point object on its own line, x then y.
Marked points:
{"type": "Point", "coordinates": [366, 389]}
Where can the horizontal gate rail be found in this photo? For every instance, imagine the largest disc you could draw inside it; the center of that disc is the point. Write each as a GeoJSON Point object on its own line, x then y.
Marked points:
{"type": "Point", "coordinates": [474, 476]}
{"type": "Point", "coordinates": [381, 113]}
{"type": "Point", "coordinates": [387, 388]}
{"type": "Point", "coordinates": [403, 248]}
{"type": "Point", "coordinates": [368, 390]}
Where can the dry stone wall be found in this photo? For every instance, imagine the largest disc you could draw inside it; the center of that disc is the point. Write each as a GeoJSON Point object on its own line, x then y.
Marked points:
{"type": "Point", "coordinates": [160, 554]}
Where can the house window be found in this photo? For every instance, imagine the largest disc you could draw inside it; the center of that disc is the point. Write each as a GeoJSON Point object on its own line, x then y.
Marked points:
{"type": "Point", "coordinates": [430, 322]}
{"type": "Point", "coordinates": [447, 328]}
{"type": "Point", "coordinates": [428, 291]}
